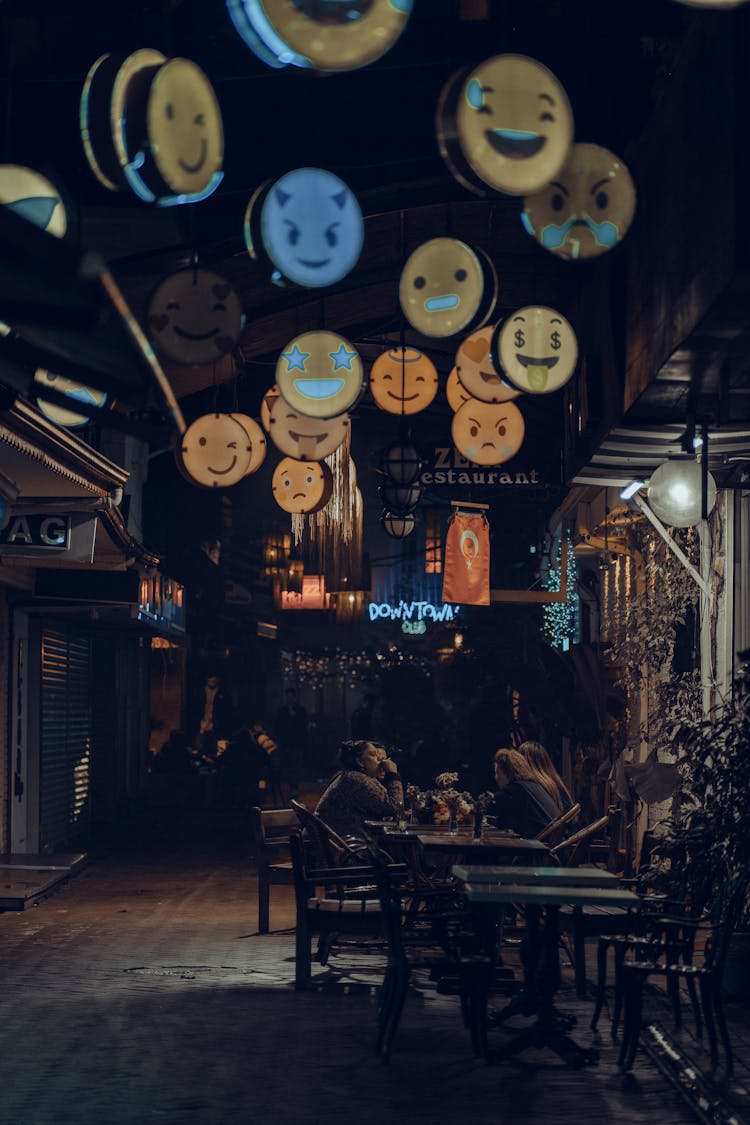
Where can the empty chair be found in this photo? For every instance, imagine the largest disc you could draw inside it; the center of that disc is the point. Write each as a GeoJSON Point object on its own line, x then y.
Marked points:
{"type": "Point", "coordinates": [271, 829]}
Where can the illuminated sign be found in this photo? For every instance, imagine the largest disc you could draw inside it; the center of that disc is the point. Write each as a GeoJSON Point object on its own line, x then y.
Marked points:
{"type": "Point", "coordinates": [313, 595]}
{"type": "Point", "coordinates": [451, 467]}
{"type": "Point", "coordinates": [414, 628]}
{"type": "Point", "coordinates": [412, 612]}
{"type": "Point", "coordinates": [22, 534]}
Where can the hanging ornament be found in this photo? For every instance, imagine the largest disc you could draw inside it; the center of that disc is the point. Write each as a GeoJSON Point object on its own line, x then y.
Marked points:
{"type": "Point", "coordinates": [403, 381]}
{"type": "Point", "coordinates": [265, 407]}
{"type": "Point", "coordinates": [194, 316]}
{"type": "Point", "coordinates": [29, 194]}
{"type": "Point", "coordinates": [537, 349]}
{"type": "Point", "coordinates": [446, 287]}
{"type": "Point", "coordinates": [320, 374]}
{"type": "Point", "coordinates": [333, 536]}
{"type": "Point", "coordinates": [78, 393]}
{"type": "Point", "coordinates": [399, 498]}
{"type": "Point", "coordinates": [398, 527]}
{"type": "Point", "coordinates": [302, 486]}
{"type": "Point", "coordinates": [488, 433]}
{"type": "Point", "coordinates": [214, 451]}
{"type": "Point", "coordinates": [258, 444]}
{"type": "Point", "coordinates": [476, 371]}
{"type": "Point", "coordinates": [401, 462]}
{"type": "Point", "coordinates": [455, 391]}
{"type": "Point", "coordinates": [305, 438]}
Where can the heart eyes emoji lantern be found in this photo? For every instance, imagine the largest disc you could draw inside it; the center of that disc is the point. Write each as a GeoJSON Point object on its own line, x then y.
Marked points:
{"type": "Point", "coordinates": [301, 487]}
{"type": "Point", "coordinates": [194, 317]}
{"type": "Point", "coordinates": [476, 370]}
{"type": "Point", "coordinates": [403, 381]}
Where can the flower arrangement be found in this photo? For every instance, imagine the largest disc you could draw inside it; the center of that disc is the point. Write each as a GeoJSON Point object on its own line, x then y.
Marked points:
{"type": "Point", "coordinates": [444, 803]}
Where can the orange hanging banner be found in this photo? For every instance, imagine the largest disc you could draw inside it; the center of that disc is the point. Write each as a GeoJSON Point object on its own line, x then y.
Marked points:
{"type": "Point", "coordinates": [466, 574]}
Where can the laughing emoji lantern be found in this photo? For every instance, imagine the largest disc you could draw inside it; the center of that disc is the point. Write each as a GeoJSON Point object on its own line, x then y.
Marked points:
{"type": "Point", "coordinates": [447, 287]}
{"type": "Point", "coordinates": [320, 374]}
{"type": "Point", "coordinates": [537, 349]}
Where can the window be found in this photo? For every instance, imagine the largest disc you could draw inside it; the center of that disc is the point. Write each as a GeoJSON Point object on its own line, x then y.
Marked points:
{"type": "Point", "coordinates": [433, 545]}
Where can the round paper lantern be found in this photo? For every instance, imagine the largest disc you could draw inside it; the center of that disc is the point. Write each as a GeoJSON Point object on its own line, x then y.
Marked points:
{"type": "Point", "coordinates": [258, 444]}
{"type": "Point", "coordinates": [455, 391]}
{"type": "Point", "coordinates": [194, 316]}
{"type": "Point", "coordinates": [320, 374]}
{"type": "Point", "coordinates": [400, 498]}
{"type": "Point", "coordinates": [398, 527]}
{"type": "Point", "coordinates": [307, 439]}
{"type": "Point", "coordinates": [507, 125]}
{"type": "Point", "coordinates": [215, 451]}
{"type": "Point", "coordinates": [447, 287]}
{"type": "Point", "coordinates": [310, 226]}
{"type": "Point", "coordinates": [78, 392]}
{"type": "Point", "coordinates": [537, 349]}
{"type": "Point", "coordinates": [328, 35]}
{"type": "Point", "coordinates": [476, 370]}
{"type": "Point", "coordinates": [265, 406]}
{"type": "Point", "coordinates": [488, 433]}
{"type": "Point", "coordinates": [301, 487]}
{"type": "Point", "coordinates": [403, 381]}
{"type": "Point", "coordinates": [401, 462]}
{"type": "Point", "coordinates": [588, 207]}
{"type": "Point", "coordinates": [674, 493]}
{"type": "Point", "coordinates": [31, 195]}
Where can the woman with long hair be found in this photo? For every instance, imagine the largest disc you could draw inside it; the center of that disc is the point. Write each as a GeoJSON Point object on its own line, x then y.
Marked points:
{"type": "Point", "coordinates": [543, 770]}
{"type": "Point", "coordinates": [522, 803]}
{"type": "Point", "coordinates": [367, 787]}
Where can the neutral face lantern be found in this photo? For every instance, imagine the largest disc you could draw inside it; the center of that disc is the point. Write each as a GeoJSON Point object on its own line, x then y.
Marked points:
{"type": "Point", "coordinates": [537, 349]}
{"type": "Point", "coordinates": [320, 374]}
{"type": "Point", "coordinates": [675, 493]}
{"type": "Point", "coordinates": [215, 451]}
{"type": "Point", "coordinates": [403, 381]}
{"type": "Point", "coordinates": [447, 287]}
{"type": "Point", "coordinates": [194, 317]}
{"type": "Point", "coordinates": [488, 433]}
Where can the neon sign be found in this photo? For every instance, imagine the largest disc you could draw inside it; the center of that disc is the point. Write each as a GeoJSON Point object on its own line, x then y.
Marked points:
{"type": "Point", "coordinates": [413, 612]}
{"type": "Point", "coordinates": [414, 628]}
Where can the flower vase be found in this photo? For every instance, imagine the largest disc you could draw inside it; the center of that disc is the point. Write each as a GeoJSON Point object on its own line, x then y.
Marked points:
{"type": "Point", "coordinates": [478, 824]}
{"type": "Point", "coordinates": [452, 822]}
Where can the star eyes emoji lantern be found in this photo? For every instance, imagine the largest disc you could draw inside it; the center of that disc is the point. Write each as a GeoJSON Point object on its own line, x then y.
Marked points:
{"type": "Point", "coordinates": [214, 451]}
{"type": "Point", "coordinates": [320, 374]}
{"type": "Point", "coordinates": [446, 287]}
{"type": "Point", "coordinates": [403, 381]}
{"type": "Point", "coordinates": [537, 349]}
{"type": "Point", "coordinates": [587, 209]}
{"type": "Point", "coordinates": [488, 433]}
{"type": "Point", "coordinates": [194, 317]}
{"type": "Point", "coordinates": [302, 437]}
{"type": "Point", "coordinates": [310, 226]}
{"type": "Point", "coordinates": [476, 370]}
{"type": "Point", "coordinates": [506, 125]}
{"type": "Point", "coordinates": [301, 487]}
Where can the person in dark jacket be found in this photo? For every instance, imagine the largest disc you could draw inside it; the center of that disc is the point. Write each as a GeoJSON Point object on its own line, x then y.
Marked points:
{"type": "Point", "coordinates": [522, 804]}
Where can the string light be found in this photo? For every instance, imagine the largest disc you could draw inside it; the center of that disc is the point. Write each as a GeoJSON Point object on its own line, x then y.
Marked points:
{"type": "Point", "coordinates": [561, 619]}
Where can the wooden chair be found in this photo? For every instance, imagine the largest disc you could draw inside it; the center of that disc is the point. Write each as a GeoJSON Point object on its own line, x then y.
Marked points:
{"type": "Point", "coordinates": [331, 849]}
{"type": "Point", "coordinates": [271, 829]}
{"type": "Point", "coordinates": [553, 829]}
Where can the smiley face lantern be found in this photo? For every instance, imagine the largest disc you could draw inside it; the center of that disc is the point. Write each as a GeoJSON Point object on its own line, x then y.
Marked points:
{"type": "Point", "coordinates": [194, 317]}
{"type": "Point", "coordinates": [215, 451]}
{"type": "Point", "coordinates": [301, 487]}
{"type": "Point", "coordinates": [507, 125]}
{"type": "Point", "coordinates": [587, 209]}
{"type": "Point", "coordinates": [476, 371]}
{"type": "Point", "coordinates": [488, 433]}
{"type": "Point", "coordinates": [403, 381]}
{"type": "Point", "coordinates": [302, 437]}
{"type": "Point", "coordinates": [320, 374]}
{"type": "Point", "coordinates": [537, 349]}
{"type": "Point", "coordinates": [447, 287]}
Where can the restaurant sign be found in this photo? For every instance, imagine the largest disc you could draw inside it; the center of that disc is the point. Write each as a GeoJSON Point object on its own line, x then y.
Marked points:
{"type": "Point", "coordinates": [36, 532]}
{"type": "Point", "coordinates": [452, 468]}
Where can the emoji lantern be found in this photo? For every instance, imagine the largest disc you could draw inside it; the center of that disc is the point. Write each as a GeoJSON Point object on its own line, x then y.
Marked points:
{"type": "Point", "coordinates": [488, 433]}
{"type": "Point", "coordinates": [476, 371]}
{"type": "Point", "coordinates": [30, 195]}
{"type": "Point", "coordinates": [403, 381]}
{"type": "Point", "coordinates": [194, 317]}
{"type": "Point", "coordinates": [455, 391]}
{"type": "Point", "coordinates": [258, 444]}
{"type": "Point", "coordinates": [302, 437]}
{"type": "Point", "coordinates": [537, 349]}
{"type": "Point", "coordinates": [79, 393]}
{"type": "Point", "coordinates": [447, 287]}
{"type": "Point", "coordinates": [300, 487]}
{"type": "Point", "coordinates": [214, 451]}
{"type": "Point", "coordinates": [309, 224]}
{"type": "Point", "coordinates": [328, 35]}
{"type": "Point", "coordinates": [320, 374]}
{"type": "Point", "coordinates": [587, 209]}
{"type": "Point", "coordinates": [505, 125]}
{"type": "Point", "coordinates": [265, 406]}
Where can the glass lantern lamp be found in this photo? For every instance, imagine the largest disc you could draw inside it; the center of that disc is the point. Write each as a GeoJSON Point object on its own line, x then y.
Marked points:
{"type": "Point", "coordinates": [401, 462]}
{"type": "Point", "coordinates": [397, 526]}
{"type": "Point", "coordinates": [675, 493]}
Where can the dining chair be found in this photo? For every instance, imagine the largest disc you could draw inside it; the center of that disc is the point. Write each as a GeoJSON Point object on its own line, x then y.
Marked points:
{"type": "Point", "coordinates": [553, 829]}
{"type": "Point", "coordinates": [271, 829]}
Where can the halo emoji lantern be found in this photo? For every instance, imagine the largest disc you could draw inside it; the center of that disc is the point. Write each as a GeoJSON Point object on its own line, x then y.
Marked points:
{"type": "Point", "coordinates": [505, 125]}
{"type": "Point", "coordinates": [309, 224]}
{"type": "Point", "coordinates": [587, 209]}
{"type": "Point", "coordinates": [455, 391]}
{"type": "Point", "coordinates": [488, 433]}
{"type": "Point", "coordinates": [31, 195]}
{"type": "Point", "coordinates": [401, 462]}
{"type": "Point", "coordinates": [297, 435]}
{"type": "Point", "coordinates": [301, 487]}
{"type": "Point", "coordinates": [265, 406]}
{"type": "Point", "coordinates": [78, 393]}
{"type": "Point", "coordinates": [258, 443]}
{"type": "Point", "coordinates": [476, 371]}
{"type": "Point", "coordinates": [194, 317]}
{"type": "Point", "coordinates": [327, 35]}
{"type": "Point", "coordinates": [215, 451]}
{"type": "Point", "coordinates": [446, 287]}
{"type": "Point", "coordinates": [537, 349]}
{"type": "Point", "coordinates": [398, 527]}
{"type": "Point", "coordinates": [320, 374]}
{"type": "Point", "coordinates": [403, 381]}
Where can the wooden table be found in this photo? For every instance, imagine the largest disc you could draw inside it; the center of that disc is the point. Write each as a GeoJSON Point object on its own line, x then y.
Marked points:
{"type": "Point", "coordinates": [535, 876]}
{"type": "Point", "coordinates": [491, 844]}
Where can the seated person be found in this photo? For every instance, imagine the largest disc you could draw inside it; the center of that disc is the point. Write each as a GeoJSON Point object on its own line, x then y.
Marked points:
{"type": "Point", "coordinates": [368, 787]}
{"type": "Point", "coordinates": [522, 804]}
{"type": "Point", "coordinates": [543, 771]}
{"type": "Point", "coordinates": [174, 756]}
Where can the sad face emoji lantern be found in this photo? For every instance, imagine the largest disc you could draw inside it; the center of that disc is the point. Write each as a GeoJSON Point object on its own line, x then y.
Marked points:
{"type": "Point", "coordinates": [320, 374]}
{"type": "Point", "coordinates": [476, 370]}
{"type": "Point", "coordinates": [488, 433]}
{"type": "Point", "coordinates": [194, 317]}
{"type": "Point", "coordinates": [403, 381]}
{"type": "Point", "coordinates": [537, 349]}
{"type": "Point", "coordinates": [215, 451]}
{"type": "Point", "coordinates": [301, 487]}
{"type": "Point", "coordinates": [447, 287]}
{"type": "Point", "coordinates": [587, 209]}
{"type": "Point", "coordinates": [304, 438]}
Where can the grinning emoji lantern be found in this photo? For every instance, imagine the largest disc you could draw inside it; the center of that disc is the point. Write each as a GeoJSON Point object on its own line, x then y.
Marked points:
{"type": "Point", "coordinates": [301, 487]}
{"type": "Point", "coordinates": [488, 433]}
{"type": "Point", "coordinates": [327, 35]}
{"type": "Point", "coordinates": [214, 451]}
{"type": "Point", "coordinates": [537, 349]}
{"type": "Point", "coordinates": [587, 209]}
{"type": "Point", "coordinates": [447, 287]}
{"type": "Point", "coordinates": [320, 374]}
{"type": "Point", "coordinates": [403, 381]}
{"type": "Point", "coordinates": [194, 317]}
{"type": "Point", "coordinates": [309, 224]}
{"type": "Point", "coordinates": [476, 371]}
{"type": "Point", "coordinates": [302, 437]}
{"type": "Point", "coordinates": [30, 195]}
{"type": "Point", "coordinates": [506, 125]}
{"type": "Point", "coordinates": [258, 443]}
{"type": "Point", "coordinates": [79, 393]}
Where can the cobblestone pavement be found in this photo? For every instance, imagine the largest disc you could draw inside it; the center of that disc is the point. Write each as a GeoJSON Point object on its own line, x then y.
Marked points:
{"type": "Point", "coordinates": [140, 991]}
